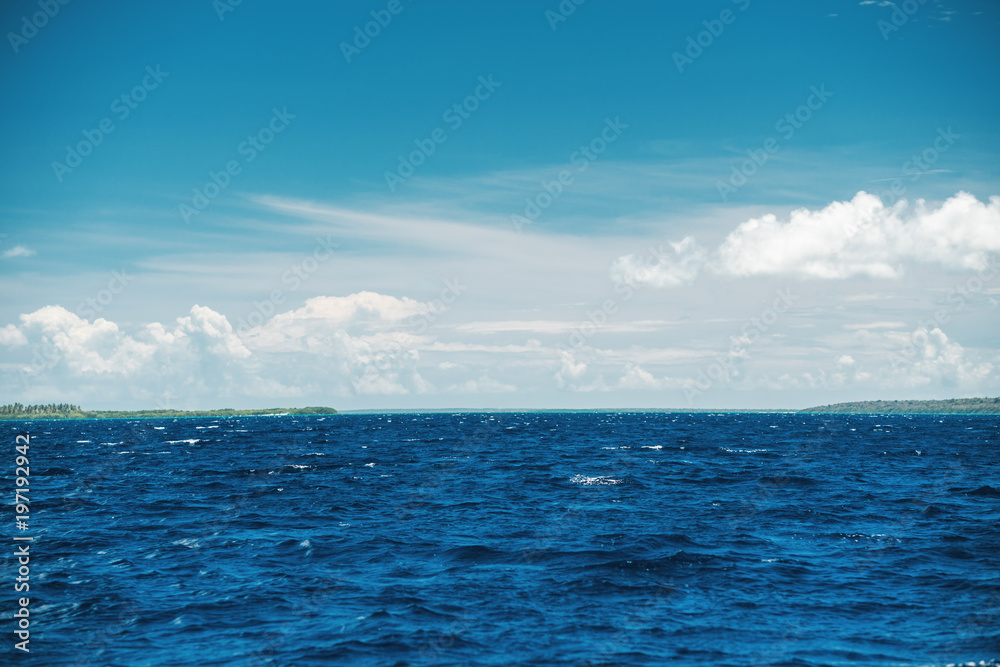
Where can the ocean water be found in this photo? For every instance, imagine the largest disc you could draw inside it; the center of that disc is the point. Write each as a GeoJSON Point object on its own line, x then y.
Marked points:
{"type": "Point", "coordinates": [512, 539]}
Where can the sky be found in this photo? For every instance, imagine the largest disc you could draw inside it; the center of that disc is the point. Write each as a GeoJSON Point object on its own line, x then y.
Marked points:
{"type": "Point", "coordinates": [418, 204]}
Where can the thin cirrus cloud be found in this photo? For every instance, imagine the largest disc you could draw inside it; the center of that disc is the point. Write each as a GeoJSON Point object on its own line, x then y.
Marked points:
{"type": "Point", "coordinates": [860, 237]}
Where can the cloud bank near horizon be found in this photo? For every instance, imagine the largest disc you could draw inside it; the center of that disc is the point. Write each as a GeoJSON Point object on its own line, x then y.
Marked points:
{"type": "Point", "coordinates": [369, 344]}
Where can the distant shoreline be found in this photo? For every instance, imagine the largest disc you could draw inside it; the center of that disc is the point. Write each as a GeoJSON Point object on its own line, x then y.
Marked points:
{"type": "Point", "coordinates": [955, 406]}
{"type": "Point", "coordinates": [165, 414]}
{"type": "Point", "coordinates": [952, 406]}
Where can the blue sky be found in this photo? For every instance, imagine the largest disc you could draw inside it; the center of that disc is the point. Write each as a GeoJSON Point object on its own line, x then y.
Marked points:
{"type": "Point", "coordinates": [622, 190]}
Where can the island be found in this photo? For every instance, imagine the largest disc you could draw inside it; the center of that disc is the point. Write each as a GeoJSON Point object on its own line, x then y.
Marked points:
{"type": "Point", "coordinates": [951, 406]}
{"type": "Point", "coordinates": [68, 411]}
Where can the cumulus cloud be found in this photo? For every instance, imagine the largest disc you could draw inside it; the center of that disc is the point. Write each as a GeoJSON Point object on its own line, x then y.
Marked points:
{"type": "Point", "coordinates": [637, 378]}
{"type": "Point", "coordinates": [83, 347]}
{"type": "Point", "coordinates": [207, 329]}
{"type": "Point", "coordinates": [570, 370]}
{"type": "Point", "coordinates": [327, 318]}
{"type": "Point", "coordinates": [860, 237]}
{"type": "Point", "coordinates": [340, 346]}
{"type": "Point", "coordinates": [927, 356]}
{"type": "Point", "coordinates": [11, 336]}
{"type": "Point", "coordinates": [338, 310]}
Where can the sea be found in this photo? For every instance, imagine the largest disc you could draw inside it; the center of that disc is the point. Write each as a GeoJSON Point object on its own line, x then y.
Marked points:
{"type": "Point", "coordinates": [508, 538]}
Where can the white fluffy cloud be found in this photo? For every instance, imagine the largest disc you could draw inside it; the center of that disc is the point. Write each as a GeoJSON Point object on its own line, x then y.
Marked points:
{"type": "Point", "coordinates": [361, 347]}
{"type": "Point", "coordinates": [860, 237]}
{"type": "Point", "coordinates": [326, 318]}
{"type": "Point", "coordinates": [570, 370]}
{"type": "Point", "coordinates": [635, 377]}
{"type": "Point", "coordinates": [10, 335]}
{"type": "Point", "coordinates": [339, 346]}
{"type": "Point", "coordinates": [929, 356]}
{"type": "Point", "coordinates": [98, 347]}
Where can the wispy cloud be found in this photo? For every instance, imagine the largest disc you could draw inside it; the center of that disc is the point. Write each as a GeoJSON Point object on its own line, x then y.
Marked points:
{"type": "Point", "coordinates": [18, 251]}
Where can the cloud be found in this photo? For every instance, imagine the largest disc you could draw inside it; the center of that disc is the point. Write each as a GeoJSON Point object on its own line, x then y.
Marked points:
{"type": "Point", "coordinates": [669, 270]}
{"type": "Point", "coordinates": [637, 378]}
{"type": "Point", "coordinates": [875, 325]}
{"type": "Point", "coordinates": [533, 326]}
{"type": "Point", "coordinates": [328, 318]}
{"type": "Point", "coordinates": [82, 347]}
{"type": "Point", "coordinates": [928, 356]}
{"type": "Point", "coordinates": [344, 349]}
{"type": "Point", "coordinates": [570, 370]}
{"type": "Point", "coordinates": [340, 346]}
{"type": "Point", "coordinates": [860, 237]}
{"type": "Point", "coordinates": [18, 251]}
{"type": "Point", "coordinates": [484, 385]}
{"type": "Point", "coordinates": [208, 330]}
{"type": "Point", "coordinates": [864, 237]}
{"type": "Point", "coordinates": [11, 336]}
{"type": "Point", "coordinates": [558, 327]}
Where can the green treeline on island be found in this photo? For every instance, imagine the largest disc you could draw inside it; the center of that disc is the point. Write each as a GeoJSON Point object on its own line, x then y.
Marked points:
{"type": "Point", "coordinates": [963, 406]}
{"type": "Point", "coordinates": [68, 411]}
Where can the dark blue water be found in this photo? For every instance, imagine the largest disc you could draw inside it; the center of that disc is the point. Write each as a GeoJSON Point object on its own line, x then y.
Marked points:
{"type": "Point", "coordinates": [513, 539]}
